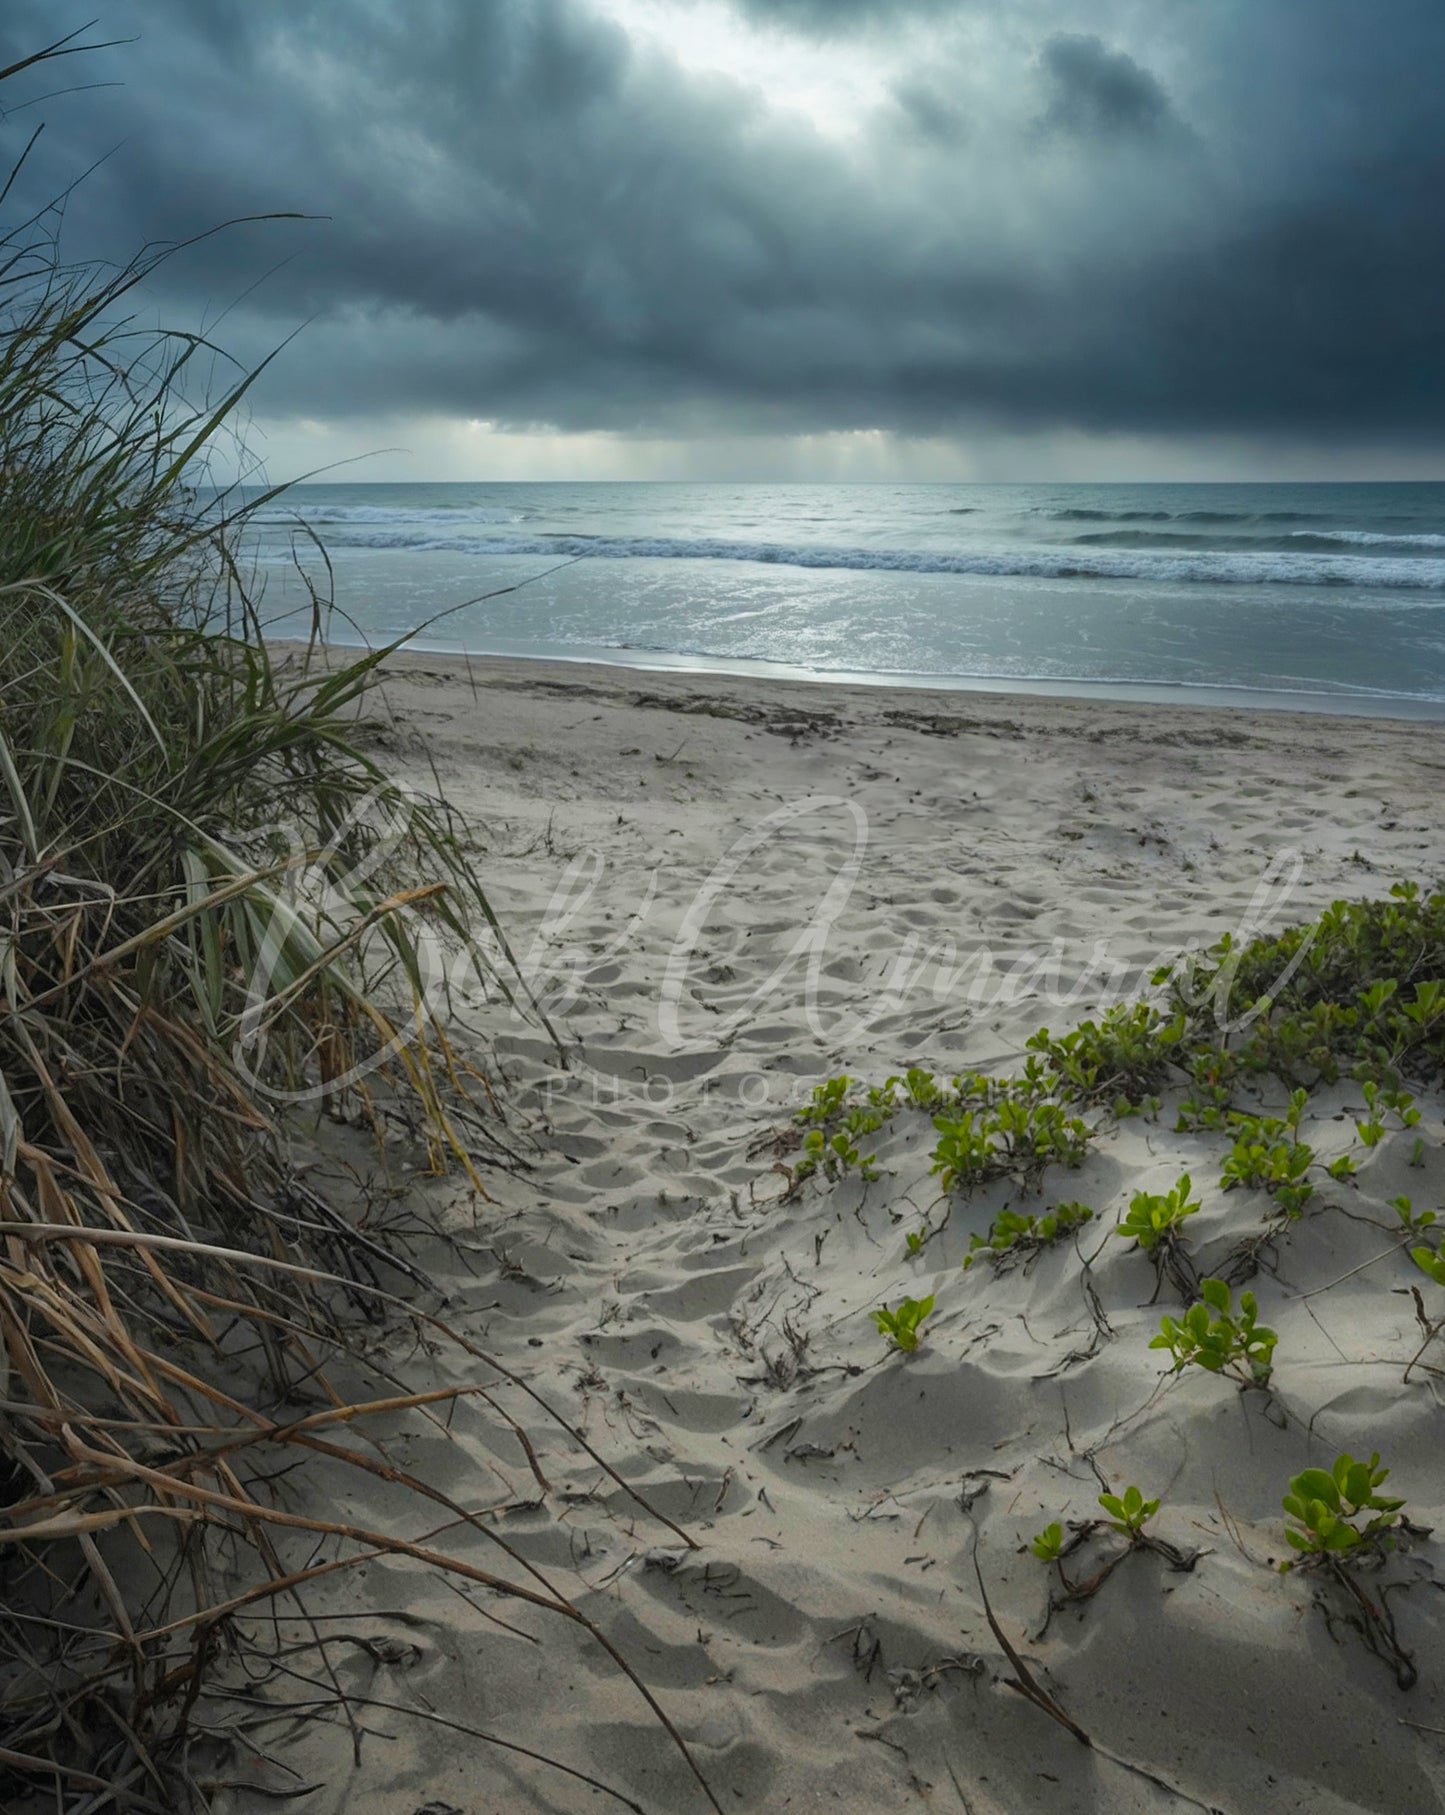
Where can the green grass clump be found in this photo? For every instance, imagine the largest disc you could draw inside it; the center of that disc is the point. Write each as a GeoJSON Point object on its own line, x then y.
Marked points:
{"type": "Point", "coordinates": [214, 906]}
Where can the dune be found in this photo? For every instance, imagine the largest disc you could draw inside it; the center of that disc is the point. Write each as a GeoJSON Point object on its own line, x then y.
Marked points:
{"type": "Point", "coordinates": [725, 892]}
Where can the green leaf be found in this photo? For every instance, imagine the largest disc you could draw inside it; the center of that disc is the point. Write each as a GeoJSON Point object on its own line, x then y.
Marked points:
{"type": "Point", "coordinates": [1316, 1487]}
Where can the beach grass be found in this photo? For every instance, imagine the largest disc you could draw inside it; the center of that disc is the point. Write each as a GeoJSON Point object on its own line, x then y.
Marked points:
{"type": "Point", "coordinates": [214, 905]}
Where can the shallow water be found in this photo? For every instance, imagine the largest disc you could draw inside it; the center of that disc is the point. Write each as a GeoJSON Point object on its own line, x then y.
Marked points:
{"type": "Point", "coordinates": [1272, 594]}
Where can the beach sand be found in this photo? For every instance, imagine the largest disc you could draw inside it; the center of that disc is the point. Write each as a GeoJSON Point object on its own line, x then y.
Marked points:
{"type": "Point", "coordinates": [725, 891]}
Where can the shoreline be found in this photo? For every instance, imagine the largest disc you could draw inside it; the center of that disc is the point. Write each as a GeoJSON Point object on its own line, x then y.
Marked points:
{"type": "Point", "coordinates": [1188, 697]}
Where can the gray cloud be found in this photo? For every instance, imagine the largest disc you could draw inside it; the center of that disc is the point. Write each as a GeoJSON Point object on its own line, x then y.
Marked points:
{"type": "Point", "coordinates": [931, 114]}
{"type": "Point", "coordinates": [833, 18]}
{"type": "Point", "coordinates": [535, 220]}
{"type": "Point", "coordinates": [1095, 90]}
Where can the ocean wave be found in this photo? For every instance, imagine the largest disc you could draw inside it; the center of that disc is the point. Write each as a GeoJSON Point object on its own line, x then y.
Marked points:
{"type": "Point", "coordinates": [1167, 538]}
{"type": "Point", "coordinates": [398, 515]}
{"type": "Point", "coordinates": [1369, 538]}
{"type": "Point", "coordinates": [1365, 538]}
{"type": "Point", "coordinates": [1199, 566]}
{"type": "Point", "coordinates": [1288, 542]}
{"type": "Point", "coordinates": [1081, 514]}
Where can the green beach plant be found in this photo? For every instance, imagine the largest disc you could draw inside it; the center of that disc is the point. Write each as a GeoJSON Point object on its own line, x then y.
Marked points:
{"type": "Point", "coordinates": [902, 1324]}
{"type": "Point", "coordinates": [1413, 1220]}
{"type": "Point", "coordinates": [1430, 1262]}
{"type": "Point", "coordinates": [1020, 1134]}
{"type": "Point", "coordinates": [1335, 1519]}
{"type": "Point", "coordinates": [827, 1101]}
{"type": "Point", "coordinates": [1155, 1217]}
{"type": "Point", "coordinates": [1279, 1167]}
{"type": "Point", "coordinates": [832, 1155]}
{"type": "Point", "coordinates": [1380, 1101]}
{"type": "Point", "coordinates": [1048, 1545]}
{"type": "Point", "coordinates": [1325, 1509]}
{"type": "Point", "coordinates": [921, 1090]}
{"type": "Point", "coordinates": [1339, 994]}
{"type": "Point", "coordinates": [1213, 1336]}
{"type": "Point", "coordinates": [1011, 1233]}
{"type": "Point", "coordinates": [1129, 1512]}
{"type": "Point", "coordinates": [1123, 1058]}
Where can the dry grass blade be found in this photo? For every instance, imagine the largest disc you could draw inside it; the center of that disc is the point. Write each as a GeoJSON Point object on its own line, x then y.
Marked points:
{"type": "Point", "coordinates": [215, 907]}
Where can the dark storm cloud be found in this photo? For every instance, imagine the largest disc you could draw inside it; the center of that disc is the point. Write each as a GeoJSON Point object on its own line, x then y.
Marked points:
{"type": "Point", "coordinates": [931, 114]}
{"type": "Point", "coordinates": [1232, 224]}
{"type": "Point", "coordinates": [1095, 90]}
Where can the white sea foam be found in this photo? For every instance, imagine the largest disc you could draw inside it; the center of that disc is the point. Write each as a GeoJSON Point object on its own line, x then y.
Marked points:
{"type": "Point", "coordinates": [342, 514]}
{"type": "Point", "coordinates": [1199, 566]}
{"type": "Point", "coordinates": [1367, 538]}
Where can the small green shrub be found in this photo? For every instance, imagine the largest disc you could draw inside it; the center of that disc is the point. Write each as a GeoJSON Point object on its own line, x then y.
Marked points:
{"type": "Point", "coordinates": [1153, 1217]}
{"type": "Point", "coordinates": [1207, 1106]}
{"type": "Point", "coordinates": [1018, 1135]}
{"type": "Point", "coordinates": [1129, 1512]}
{"type": "Point", "coordinates": [1326, 997]}
{"type": "Point", "coordinates": [826, 1102]}
{"type": "Point", "coordinates": [921, 1089]}
{"type": "Point", "coordinates": [903, 1324]}
{"type": "Point", "coordinates": [1325, 1509]}
{"type": "Point", "coordinates": [1226, 1340]}
{"type": "Point", "coordinates": [832, 1155]}
{"type": "Point", "coordinates": [1416, 1221]}
{"type": "Point", "coordinates": [964, 1154]}
{"type": "Point", "coordinates": [1036, 1135]}
{"type": "Point", "coordinates": [1123, 1058]}
{"type": "Point", "coordinates": [1011, 1233]}
{"type": "Point", "coordinates": [1380, 1101]}
{"type": "Point", "coordinates": [1279, 1167]}
{"type": "Point", "coordinates": [1048, 1546]}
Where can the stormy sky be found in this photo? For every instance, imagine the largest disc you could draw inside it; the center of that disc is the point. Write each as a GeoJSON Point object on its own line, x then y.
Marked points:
{"type": "Point", "coordinates": [819, 238]}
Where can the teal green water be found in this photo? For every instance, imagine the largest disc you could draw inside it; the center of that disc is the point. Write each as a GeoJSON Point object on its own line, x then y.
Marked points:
{"type": "Point", "coordinates": [1304, 594]}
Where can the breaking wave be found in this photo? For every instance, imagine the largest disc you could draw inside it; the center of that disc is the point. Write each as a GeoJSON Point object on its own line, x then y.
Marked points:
{"type": "Point", "coordinates": [1305, 567]}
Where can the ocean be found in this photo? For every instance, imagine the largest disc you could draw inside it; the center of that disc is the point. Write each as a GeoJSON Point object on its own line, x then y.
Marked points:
{"type": "Point", "coordinates": [1314, 596]}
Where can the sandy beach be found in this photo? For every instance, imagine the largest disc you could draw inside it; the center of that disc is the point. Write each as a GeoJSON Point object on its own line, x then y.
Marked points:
{"type": "Point", "coordinates": [817, 1186]}
{"type": "Point", "coordinates": [724, 892]}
